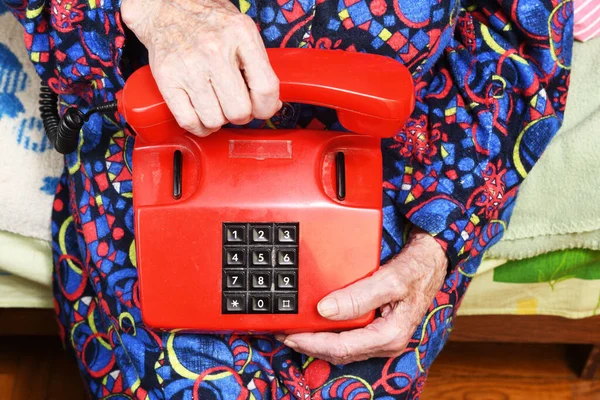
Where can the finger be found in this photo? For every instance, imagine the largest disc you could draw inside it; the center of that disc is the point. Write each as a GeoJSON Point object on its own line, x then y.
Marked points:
{"type": "Point", "coordinates": [207, 107]}
{"type": "Point", "coordinates": [348, 346]}
{"type": "Point", "coordinates": [181, 107]}
{"type": "Point", "coordinates": [260, 79]}
{"type": "Point", "coordinates": [368, 294]}
{"type": "Point", "coordinates": [232, 93]}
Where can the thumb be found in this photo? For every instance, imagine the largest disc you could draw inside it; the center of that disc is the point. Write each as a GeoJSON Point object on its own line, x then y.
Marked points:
{"type": "Point", "coordinates": [368, 294]}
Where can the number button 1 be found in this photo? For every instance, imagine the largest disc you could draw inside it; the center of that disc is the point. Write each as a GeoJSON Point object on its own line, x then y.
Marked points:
{"type": "Point", "coordinates": [235, 234]}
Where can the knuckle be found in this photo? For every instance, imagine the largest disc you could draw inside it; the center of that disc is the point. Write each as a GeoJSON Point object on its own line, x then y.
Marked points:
{"type": "Point", "coordinates": [395, 283]}
{"type": "Point", "coordinates": [356, 306]}
{"type": "Point", "coordinates": [213, 48]}
{"type": "Point", "coordinates": [245, 23]}
{"type": "Point", "coordinates": [189, 124]}
{"type": "Point", "coordinates": [240, 114]}
{"type": "Point", "coordinates": [213, 123]}
{"type": "Point", "coordinates": [340, 352]}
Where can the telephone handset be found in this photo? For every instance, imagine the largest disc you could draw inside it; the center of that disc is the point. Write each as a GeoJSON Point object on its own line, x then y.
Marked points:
{"type": "Point", "coordinates": [246, 230]}
{"type": "Point", "coordinates": [373, 95]}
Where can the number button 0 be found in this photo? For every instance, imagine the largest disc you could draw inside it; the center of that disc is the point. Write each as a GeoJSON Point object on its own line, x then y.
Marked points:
{"type": "Point", "coordinates": [286, 257]}
{"type": "Point", "coordinates": [261, 257]}
{"type": "Point", "coordinates": [261, 234]}
{"type": "Point", "coordinates": [260, 303]}
{"type": "Point", "coordinates": [287, 234]}
{"type": "Point", "coordinates": [235, 258]}
{"type": "Point", "coordinates": [235, 234]}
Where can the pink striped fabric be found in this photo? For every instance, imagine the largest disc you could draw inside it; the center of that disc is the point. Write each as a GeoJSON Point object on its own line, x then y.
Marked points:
{"type": "Point", "coordinates": [587, 19]}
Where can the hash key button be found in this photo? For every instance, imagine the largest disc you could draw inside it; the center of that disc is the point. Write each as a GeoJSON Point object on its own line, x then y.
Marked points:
{"type": "Point", "coordinates": [286, 303]}
{"type": "Point", "coordinates": [286, 257]}
{"type": "Point", "coordinates": [234, 303]}
{"type": "Point", "coordinates": [261, 234]}
{"type": "Point", "coordinates": [235, 234]}
{"type": "Point", "coordinates": [287, 234]}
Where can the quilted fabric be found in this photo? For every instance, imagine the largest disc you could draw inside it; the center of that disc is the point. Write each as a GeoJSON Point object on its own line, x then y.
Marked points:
{"type": "Point", "coordinates": [491, 85]}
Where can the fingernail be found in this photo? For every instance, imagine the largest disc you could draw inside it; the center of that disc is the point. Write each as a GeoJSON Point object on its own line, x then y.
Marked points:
{"type": "Point", "coordinates": [280, 337]}
{"type": "Point", "coordinates": [328, 307]}
{"type": "Point", "coordinates": [291, 344]}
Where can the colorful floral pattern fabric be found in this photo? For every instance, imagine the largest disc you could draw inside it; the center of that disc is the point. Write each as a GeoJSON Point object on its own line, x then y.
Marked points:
{"type": "Point", "coordinates": [491, 79]}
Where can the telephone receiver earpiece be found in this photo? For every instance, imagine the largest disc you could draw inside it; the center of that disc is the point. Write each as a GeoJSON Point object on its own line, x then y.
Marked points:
{"type": "Point", "coordinates": [373, 95]}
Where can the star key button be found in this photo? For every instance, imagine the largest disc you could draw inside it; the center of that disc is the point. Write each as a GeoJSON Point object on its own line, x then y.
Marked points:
{"type": "Point", "coordinates": [234, 303]}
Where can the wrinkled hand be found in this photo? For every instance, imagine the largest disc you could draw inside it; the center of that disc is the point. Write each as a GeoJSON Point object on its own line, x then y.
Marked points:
{"type": "Point", "coordinates": [208, 60]}
{"type": "Point", "coordinates": [403, 289]}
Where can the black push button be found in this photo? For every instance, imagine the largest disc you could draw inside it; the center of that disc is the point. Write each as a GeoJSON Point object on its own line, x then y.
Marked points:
{"type": "Point", "coordinates": [261, 234]}
{"type": "Point", "coordinates": [234, 257]}
{"type": "Point", "coordinates": [234, 303]}
{"type": "Point", "coordinates": [260, 280]}
{"type": "Point", "coordinates": [286, 257]}
{"type": "Point", "coordinates": [286, 303]}
{"type": "Point", "coordinates": [234, 280]}
{"type": "Point", "coordinates": [285, 280]}
{"type": "Point", "coordinates": [287, 234]}
{"type": "Point", "coordinates": [235, 234]}
{"type": "Point", "coordinates": [260, 303]}
{"type": "Point", "coordinates": [261, 257]}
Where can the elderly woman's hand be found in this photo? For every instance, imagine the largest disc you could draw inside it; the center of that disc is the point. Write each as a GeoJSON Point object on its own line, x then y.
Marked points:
{"type": "Point", "coordinates": [208, 60]}
{"type": "Point", "coordinates": [403, 289]}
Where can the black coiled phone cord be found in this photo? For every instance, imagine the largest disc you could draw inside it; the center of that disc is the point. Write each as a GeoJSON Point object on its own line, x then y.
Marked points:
{"type": "Point", "coordinates": [63, 133]}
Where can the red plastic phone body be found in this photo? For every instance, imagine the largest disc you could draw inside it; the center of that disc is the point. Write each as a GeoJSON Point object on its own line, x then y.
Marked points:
{"type": "Point", "coordinates": [270, 176]}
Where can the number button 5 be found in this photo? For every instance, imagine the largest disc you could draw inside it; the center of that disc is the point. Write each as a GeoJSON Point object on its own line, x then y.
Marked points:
{"type": "Point", "coordinates": [261, 257]}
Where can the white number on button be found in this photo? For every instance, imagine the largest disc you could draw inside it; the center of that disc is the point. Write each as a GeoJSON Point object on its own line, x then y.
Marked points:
{"type": "Point", "coordinates": [286, 257]}
{"type": "Point", "coordinates": [234, 278]}
{"type": "Point", "coordinates": [260, 303]}
{"type": "Point", "coordinates": [235, 257]}
{"type": "Point", "coordinates": [261, 280]}
{"type": "Point", "coordinates": [261, 234]}
{"type": "Point", "coordinates": [286, 234]}
{"type": "Point", "coordinates": [234, 233]}
{"type": "Point", "coordinates": [286, 280]}
{"type": "Point", "coordinates": [261, 257]}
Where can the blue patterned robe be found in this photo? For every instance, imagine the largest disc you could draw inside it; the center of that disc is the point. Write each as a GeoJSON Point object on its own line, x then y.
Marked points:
{"type": "Point", "coordinates": [491, 85]}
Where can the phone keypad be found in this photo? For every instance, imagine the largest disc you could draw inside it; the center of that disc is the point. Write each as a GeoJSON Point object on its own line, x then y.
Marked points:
{"type": "Point", "coordinates": [260, 268]}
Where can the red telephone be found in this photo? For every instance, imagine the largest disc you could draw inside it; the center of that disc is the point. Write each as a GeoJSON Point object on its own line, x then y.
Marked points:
{"type": "Point", "coordinates": [246, 230]}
